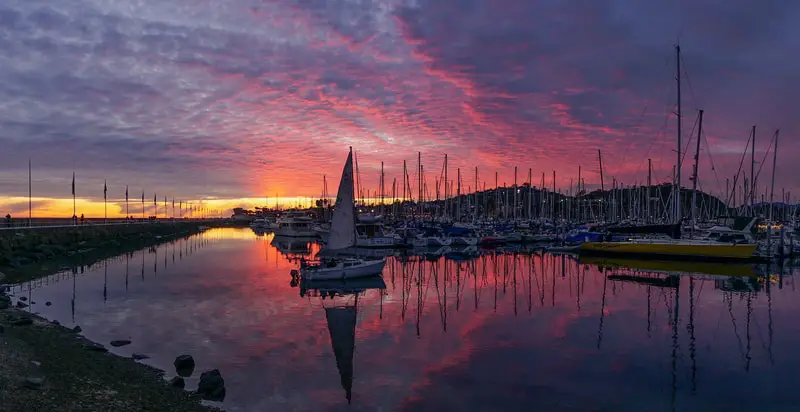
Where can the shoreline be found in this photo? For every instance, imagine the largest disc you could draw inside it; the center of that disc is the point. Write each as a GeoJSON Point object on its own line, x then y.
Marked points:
{"type": "Point", "coordinates": [48, 367]}
{"type": "Point", "coordinates": [41, 257]}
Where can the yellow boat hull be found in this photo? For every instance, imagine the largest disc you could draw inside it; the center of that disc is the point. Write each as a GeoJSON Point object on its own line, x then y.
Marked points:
{"type": "Point", "coordinates": [714, 251]}
{"type": "Point", "coordinates": [669, 267]}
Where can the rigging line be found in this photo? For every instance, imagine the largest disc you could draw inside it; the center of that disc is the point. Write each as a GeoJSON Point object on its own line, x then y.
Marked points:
{"type": "Point", "coordinates": [667, 62]}
{"type": "Point", "coordinates": [764, 159]}
{"type": "Point", "coordinates": [628, 147]}
{"type": "Point", "coordinates": [739, 171]}
{"type": "Point", "coordinates": [711, 158]}
{"type": "Point", "coordinates": [689, 82]}
{"type": "Point", "coordinates": [691, 137]}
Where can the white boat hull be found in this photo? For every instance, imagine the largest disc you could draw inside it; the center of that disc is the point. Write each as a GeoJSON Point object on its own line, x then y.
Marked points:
{"type": "Point", "coordinates": [376, 242]}
{"type": "Point", "coordinates": [364, 268]}
{"type": "Point", "coordinates": [293, 232]}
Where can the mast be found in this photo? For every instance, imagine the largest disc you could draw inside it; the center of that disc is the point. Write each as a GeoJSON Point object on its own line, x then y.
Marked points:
{"type": "Point", "coordinates": [554, 196]}
{"type": "Point", "coordinates": [419, 182]}
{"type": "Point", "coordinates": [496, 197]}
{"type": "Point", "coordinates": [696, 161]}
{"type": "Point", "coordinates": [514, 212]}
{"type": "Point", "coordinates": [753, 170]}
{"type": "Point", "coordinates": [446, 184]}
{"type": "Point", "coordinates": [649, 185]}
{"type": "Point", "coordinates": [530, 194]}
{"type": "Point", "coordinates": [475, 215]}
{"type": "Point", "coordinates": [578, 195]}
{"type": "Point", "coordinates": [382, 198]}
{"type": "Point", "coordinates": [602, 184]}
{"type": "Point", "coordinates": [458, 194]}
{"type": "Point", "coordinates": [403, 203]}
{"type": "Point", "coordinates": [678, 164]}
{"type": "Point", "coordinates": [772, 184]}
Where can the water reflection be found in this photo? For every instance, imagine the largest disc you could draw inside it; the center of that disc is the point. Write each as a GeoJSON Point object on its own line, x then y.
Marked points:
{"type": "Point", "coordinates": [448, 330]}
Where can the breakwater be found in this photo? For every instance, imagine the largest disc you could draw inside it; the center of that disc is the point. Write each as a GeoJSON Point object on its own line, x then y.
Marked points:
{"type": "Point", "coordinates": [42, 249]}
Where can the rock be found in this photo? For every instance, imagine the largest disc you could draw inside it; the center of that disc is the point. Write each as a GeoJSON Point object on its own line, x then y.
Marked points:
{"type": "Point", "coordinates": [33, 383]}
{"type": "Point", "coordinates": [118, 343]}
{"type": "Point", "coordinates": [21, 305]}
{"type": "Point", "coordinates": [96, 348]}
{"type": "Point", "coordinates": [211, 386]}
{"type": "Point", "coordinates": [47, 303]}
{"type": "Point", "coordinates": [23, 322]}
{"type": "Point", "coordinates": [139, 356]}
{"type": "Point", "coordinates": [177, 382]}
{"type": "Point", "coordinates": [55, 322]}
{"type": "Point", "coordinates": [77, 329]}
{"type": "Point", "coordinates": [23, 298]}
{"type": "Point", "coordinates": [184, 365]}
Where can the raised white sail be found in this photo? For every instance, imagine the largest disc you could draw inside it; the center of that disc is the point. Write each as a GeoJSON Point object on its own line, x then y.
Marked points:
{"type": "Point", "coordinates": [343, 223]}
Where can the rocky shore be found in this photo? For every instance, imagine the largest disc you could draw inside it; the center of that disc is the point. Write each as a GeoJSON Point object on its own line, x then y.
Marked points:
{"type": "Point", "coordinates": [46, 367]}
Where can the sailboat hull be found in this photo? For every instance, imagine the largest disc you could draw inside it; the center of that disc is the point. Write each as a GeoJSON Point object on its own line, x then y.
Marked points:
{"type": "Point", "coordinates": [344, 270]}
{"type": "Point", "coordinates": [673, 250]}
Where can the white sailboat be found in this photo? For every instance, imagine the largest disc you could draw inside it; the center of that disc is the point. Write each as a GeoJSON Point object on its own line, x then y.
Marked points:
{"type": "Point", "coordinates": [332, 264]}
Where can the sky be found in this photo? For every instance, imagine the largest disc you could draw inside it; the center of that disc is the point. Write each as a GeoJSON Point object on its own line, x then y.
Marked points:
{"type": "Point", "coordinates": [228, 102]}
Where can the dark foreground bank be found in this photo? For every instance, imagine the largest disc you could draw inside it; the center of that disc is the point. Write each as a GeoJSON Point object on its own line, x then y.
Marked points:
{"type": "Point", "coordinates": [46, 367]}
{"type": "Point", "coordinates": [30, 254]}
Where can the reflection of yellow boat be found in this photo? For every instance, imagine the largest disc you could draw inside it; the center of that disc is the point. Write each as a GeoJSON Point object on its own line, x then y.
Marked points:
{"type": "Point", "coordinates": [673, 249]}
{"type": "Point", "coordinates": [708, 268]}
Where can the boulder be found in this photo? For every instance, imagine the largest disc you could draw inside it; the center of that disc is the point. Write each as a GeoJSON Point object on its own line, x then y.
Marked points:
{"type": "Point", "coordinates": [139, 356]}
{"type": "Point", "coordinates": [21, 305]}
{"type": "Point", "coordinates": [33, 383]}
{"type": "Point", "coordinates": [118, 343]}
{"type": "Point", "coordinates": [23, 298]}
{"type": "Point", "coordinates": [96, 348]}
{"type": "Point", "coordinates": [211, 386]}
{"type": "Point", "coordinates": [184, 365]}
{"type": "Point", "coordinates": [177, 382]}
{"type": "Point", "coordinates": [77, 329]}
{"type": "Point", "coordinates": [23, 322]}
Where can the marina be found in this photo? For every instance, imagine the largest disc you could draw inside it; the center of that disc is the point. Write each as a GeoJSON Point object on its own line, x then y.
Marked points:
{"type": "Point", "coordinates": [505, 328]}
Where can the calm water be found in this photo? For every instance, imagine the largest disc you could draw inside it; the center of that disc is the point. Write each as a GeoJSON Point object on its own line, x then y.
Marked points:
{"type": "Point", "coordinates": [502, 332]}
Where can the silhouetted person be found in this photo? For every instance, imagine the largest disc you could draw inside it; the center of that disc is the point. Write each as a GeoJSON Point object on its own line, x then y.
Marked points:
{"type": "Point", "coordinates": [8, 220]}
{"type": "Point", "coordinates": [74, 220]}
{"type": "Point", "coordinates": [82, 219]}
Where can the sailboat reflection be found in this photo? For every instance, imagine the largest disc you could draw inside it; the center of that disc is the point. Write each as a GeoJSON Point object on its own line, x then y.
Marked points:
{"type": "Point", "coordinates": [340, 300]}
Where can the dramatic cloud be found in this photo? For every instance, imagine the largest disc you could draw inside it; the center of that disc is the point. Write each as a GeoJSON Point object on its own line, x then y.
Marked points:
{"type": "Point", "coordinates": [247, 98]}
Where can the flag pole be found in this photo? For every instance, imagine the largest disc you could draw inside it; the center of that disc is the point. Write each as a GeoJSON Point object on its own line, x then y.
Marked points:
{"type": "Point", "coordinates": [74, 209]}
{"type": "Point", "coordinates": [105, 201]}
{"type": "Point", "coordinates": [30, 195]}
{"type": "Point", "coordinates": [142, 204]}
{"type": "Point", "coordinates": [127, 208]}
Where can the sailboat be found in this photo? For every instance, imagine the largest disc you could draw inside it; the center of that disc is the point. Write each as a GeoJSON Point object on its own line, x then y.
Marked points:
{"type": "Point", "coordinates": [332, 260]}
{"type": "Point", "coordinates": [708, 247]}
